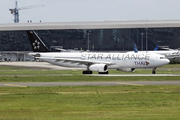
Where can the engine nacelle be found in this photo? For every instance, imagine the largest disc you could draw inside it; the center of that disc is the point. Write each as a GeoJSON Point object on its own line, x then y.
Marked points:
{"type": "Point", "coordinates": [126, 69]}
{"type": "Point", "coordinates": [98, 67]}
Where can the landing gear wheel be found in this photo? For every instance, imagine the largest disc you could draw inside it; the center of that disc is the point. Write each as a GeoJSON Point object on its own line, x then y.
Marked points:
{"type": "Point", "coordinates": [104, 72]}
{"type": "Point", "coordinates": [153, 72]}
{"type": "Point", "coordinates": [86, 72]}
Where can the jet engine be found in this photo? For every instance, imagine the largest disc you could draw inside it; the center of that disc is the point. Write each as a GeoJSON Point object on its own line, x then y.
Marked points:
{"type": "Point", "coordinates": [98, 67]}
{"type": "Point", "coordinates": [126, 69]}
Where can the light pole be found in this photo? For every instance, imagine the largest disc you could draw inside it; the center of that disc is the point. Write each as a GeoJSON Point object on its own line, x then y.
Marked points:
{"type": "Point", "coordinates": [88, 33]}
{"type": "Point", "coordinates": [146, 39]}
{"type": "Point", "coordinates": [142, 34]}
{"type": "Point", "coordinates": [88, 41]}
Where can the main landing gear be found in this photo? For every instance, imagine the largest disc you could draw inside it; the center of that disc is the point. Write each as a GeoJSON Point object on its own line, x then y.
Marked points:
{"type": "Point", "coordinates": [154, 71]}
{"type": "Point", "coordinates": [87, 72]}
{"type": "Point", "coordinates": [90, 72]}
{"type": "Point", "coordinates": [104, 72]}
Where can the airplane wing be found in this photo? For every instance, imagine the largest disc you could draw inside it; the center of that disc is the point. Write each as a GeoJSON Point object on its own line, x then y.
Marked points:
{"type": "Point", "coordinates": [172, 56]}
{"type": "Point", "coordinates": [85, 62]}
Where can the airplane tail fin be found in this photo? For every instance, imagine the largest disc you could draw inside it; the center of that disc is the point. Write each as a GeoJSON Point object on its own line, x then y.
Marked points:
{"type": "Point", "coordinates": [135, 49]}
{"type": "Point", "coordinates": [156, 48]}
{"type": "Point", "coordinates": [36, 42]}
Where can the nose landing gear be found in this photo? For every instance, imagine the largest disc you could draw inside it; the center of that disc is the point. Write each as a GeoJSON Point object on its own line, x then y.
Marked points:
{"type": "Point", "coordinates": [154, 71]}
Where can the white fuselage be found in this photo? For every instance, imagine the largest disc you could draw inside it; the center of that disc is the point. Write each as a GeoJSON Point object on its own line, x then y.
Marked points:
{"type": "Point", "coordinates": [161, 52]}
{"type": "Point", "coordinates": [113, 60]}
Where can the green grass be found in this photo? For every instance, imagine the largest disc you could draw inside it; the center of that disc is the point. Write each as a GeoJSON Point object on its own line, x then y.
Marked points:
{"type": "Point", "coordinates": [171, 66]}
{"type": "Point", "coordinates": [19, 74]}
{"type": "Point", "coordinates": [5, 70]}
{"type": "Point", "coordinates": [87, 102]}
{"type": "Point", "coordinates": [9, 70]}
{"type": "Point", "coordinates": [91, 103]}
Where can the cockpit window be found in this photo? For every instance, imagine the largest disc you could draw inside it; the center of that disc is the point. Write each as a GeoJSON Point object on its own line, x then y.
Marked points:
{"type": "Point", "coordinates": [162, 57]}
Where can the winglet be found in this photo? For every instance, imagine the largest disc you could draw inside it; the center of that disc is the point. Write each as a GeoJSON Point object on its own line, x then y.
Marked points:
{"type": "Point", "coordinates": [36, 42]}
{"type": "Point", "coordinates": [135, 49]}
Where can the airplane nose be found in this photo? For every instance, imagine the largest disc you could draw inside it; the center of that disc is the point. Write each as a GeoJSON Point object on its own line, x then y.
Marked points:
{"type": "Point", "coordinates": [167, 61]}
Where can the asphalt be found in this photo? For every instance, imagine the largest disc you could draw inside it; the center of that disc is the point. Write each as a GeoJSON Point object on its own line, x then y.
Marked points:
{"type": "Point", "coordinates": [110, 75]}
{"type": "Point", "coordinates": [110, 83]}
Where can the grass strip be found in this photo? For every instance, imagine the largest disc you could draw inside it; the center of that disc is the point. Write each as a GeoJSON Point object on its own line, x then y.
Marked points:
{"type": "Point", "coordinates": [91, 102]}
{"type": "Point", "coordinates": [21, 74]}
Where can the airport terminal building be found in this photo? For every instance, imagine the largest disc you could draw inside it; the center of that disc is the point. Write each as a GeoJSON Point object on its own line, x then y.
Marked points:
{"type": "Point", "coordinates": [94, 36]}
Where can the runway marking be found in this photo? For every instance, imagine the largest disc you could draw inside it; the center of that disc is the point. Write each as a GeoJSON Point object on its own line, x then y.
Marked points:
{"type": "Point", "coordinates": [15, 85]}
{"type": "Point", "coordinates": [92, 92]}
{"type": "Point", "coordinates": [129, 84]}
{"type": "Point", "coordinates": [4, 93]}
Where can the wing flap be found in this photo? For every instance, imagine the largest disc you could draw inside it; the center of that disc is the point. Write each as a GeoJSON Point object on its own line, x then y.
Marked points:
{"type": "Point", "coordinates": [78, 61]}
{"type": "Point", "coordinates": [83, 61]}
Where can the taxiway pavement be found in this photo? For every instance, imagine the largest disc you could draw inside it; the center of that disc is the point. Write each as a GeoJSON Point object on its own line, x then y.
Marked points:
{"type": "Point", "coordinates": [109, 83]}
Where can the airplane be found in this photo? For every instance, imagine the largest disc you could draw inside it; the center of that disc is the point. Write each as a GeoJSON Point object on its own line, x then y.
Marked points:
{"type": "Point", "coordinates": [156, 48]}
{"type": "Point", "coordinates": [96, 61]}
{"type": "Point", "coordinates": [136, 50]}
{"type": "Point", "coordinates": [170, 54]}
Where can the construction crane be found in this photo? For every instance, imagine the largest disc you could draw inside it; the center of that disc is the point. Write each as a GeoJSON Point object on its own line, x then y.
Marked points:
{"type": "Point", "coordinates": [15, 11]}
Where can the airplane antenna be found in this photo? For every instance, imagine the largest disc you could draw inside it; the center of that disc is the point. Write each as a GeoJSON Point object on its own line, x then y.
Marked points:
{"type": "Point", "coordinates": [15, 11]}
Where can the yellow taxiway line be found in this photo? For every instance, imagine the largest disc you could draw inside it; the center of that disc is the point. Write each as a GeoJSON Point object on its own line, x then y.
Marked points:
{"type": "Point", "coordinates": [129, 84]}
{"type": "Point", "coordinates": [15, 85]}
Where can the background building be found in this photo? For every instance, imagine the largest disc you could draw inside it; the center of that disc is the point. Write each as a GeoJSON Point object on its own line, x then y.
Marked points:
{"type": "Point", "coordinates": [121, 39]}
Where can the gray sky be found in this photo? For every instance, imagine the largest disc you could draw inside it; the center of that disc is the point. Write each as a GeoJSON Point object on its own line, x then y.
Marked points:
{"type": "Point", "coordinates": [91, 10]}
